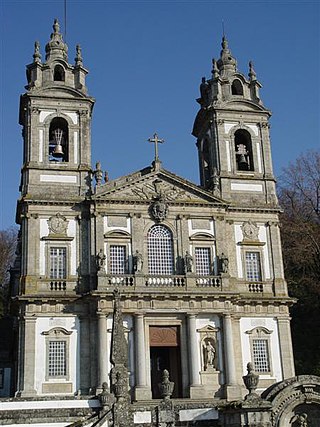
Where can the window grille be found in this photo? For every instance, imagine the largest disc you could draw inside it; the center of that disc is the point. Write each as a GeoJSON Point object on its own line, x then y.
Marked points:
{"type": "Point", "coordinates": [253, 267]}
{"type": "Point", "coordinates": [203, 261]}
{"type": "Point", "coordinates": [117, 259]}
{"type": "Point", "coordinates": [57, 365]}
{"type": "Point", "coordinates": [261, 355]}
{"type": "Point", "coordinates": [58, 262]}
{"type": "Point", "coordinates": [160, 250]}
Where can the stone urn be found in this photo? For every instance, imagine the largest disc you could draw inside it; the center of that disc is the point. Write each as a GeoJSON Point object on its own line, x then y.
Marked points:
{"type": "Point", "coordinates": [251, 381]}
{"type": "Point", "coordinates": [166, 386]}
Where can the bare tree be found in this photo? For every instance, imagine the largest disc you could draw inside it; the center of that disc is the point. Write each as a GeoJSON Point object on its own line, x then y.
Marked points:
{"type": "Point", "coordinates": [299, 195]}
{"type": "Point", "coordinates": [8, 241]}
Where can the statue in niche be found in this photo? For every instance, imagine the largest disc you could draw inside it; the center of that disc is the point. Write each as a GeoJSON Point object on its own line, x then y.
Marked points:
{"type": "Point", "coordinates": [209, 354]}
{"type": "Point", "coordinates": [137, 262]}
{"type": "Point", "coordinates": [300, 420]}
{"type": "Point", "coordinates": [188, 263]}
{"type": "Point", "coordinates": [101, 260]}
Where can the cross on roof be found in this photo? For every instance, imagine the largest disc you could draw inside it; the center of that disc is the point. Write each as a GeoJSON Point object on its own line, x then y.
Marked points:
{"type": "Point", "coordinates": [156, 141]}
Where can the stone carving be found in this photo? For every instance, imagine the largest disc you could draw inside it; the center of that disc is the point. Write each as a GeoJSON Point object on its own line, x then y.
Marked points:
{"type": "Point", "coordinates": [209, 354]}
{"type": "Point", "coordinates": [159, 209]}
{"type": "Point", "coordinates": [58, 224]}
{"type": "Point", "coordinates": [166, 386]}
{"type": "Point", "coordinates": [37, 55]}
{"type": "Point", "coordinates": [300, 420]}
{"type": "Point", "coordinates": [101, 260]}
{"type": "Point", "coordinates": [106, 398]}
{"type": "Point", "coordinates": [137, 262]}
{"type": "Point", "coordinates": [98, 174]}
{"type": "Point", "coordinates": [251, 381]}
{"type": "Point", "coordinates": [250, 231]}
{"type": "Point", "coordinates": [224, 263]}
{"type": "Point", "coordinates": [188, 263]}
{"type": "Point", "coordinates": [78, 58]}
{"type": "Point", "coordinates": [159, 188]}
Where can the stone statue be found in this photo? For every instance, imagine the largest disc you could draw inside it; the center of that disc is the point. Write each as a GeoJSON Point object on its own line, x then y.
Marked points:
{"type": "Point", "coordinates": [302, 420]}
{"type": "Point", "coordinates": [224, 263]}
{"type": "Point", "coordinates": [209, 352]}
{"type": "Point", "coordinates": [101, 260]}
{"type": "Point", "coordinates": [137, 262]}
{"type": "Point", "coordinates": [188, 263]}
{"type": "Point", "coordinates": [98, 173]}
{"type": "Point", "coordinates": [204, 89]}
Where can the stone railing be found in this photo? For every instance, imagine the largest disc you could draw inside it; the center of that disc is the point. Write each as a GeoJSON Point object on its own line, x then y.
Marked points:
{"type": "Point", "coordinates": [121, 280]}
{"type": "Point", "coordinates": [209, 281]}
{"type": "Point", "coordinates": [164, 281]}
{"type": "Point", "coordinates": [57, 286]}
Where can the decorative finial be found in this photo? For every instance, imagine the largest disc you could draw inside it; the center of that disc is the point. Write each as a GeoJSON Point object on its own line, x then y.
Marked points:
{"type": "Point", "coordinates": [36, 55]}
{"type": "Point", "coordinates": [224, 43]}
{"type": "Point", "coordinates": [78, 57]}
{"type": "Point", "coordinates": [56, 26]}
{"type": "Point", "coordinates": [215, 69]}
{"type": "Point", "coordinates": [166, 386]}
{"type": "Point", "coordinates": [252, 74]}
{"type": "Point", "coordinates": [251, 381]}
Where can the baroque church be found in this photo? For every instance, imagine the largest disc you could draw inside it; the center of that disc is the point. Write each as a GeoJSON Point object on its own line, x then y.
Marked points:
{"type": "Point", "coordinates": [149, 300]}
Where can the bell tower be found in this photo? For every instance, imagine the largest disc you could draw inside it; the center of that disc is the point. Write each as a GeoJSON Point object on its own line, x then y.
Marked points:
{"type": "Point", "coordinates": [55, 113]}
{"type": "Point", "coordinates": [232, 130]}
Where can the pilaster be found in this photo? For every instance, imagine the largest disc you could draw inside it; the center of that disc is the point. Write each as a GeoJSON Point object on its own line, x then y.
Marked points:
{"type": "Point", "coordinates": [286, 350]}
{"type": "Point", "coordinates": [232, 389]}
{"type": "Point", "coordinates": [142, 391]}
{"type": "Point", "coordinates": [29, 357]}
{"type": "Point", "coordinates": [103, 350]}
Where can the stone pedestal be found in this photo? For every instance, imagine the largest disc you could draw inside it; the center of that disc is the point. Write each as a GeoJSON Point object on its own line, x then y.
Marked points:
{"type": "Point", "coordinates": [209, 385]}
{"type": "Point", "coordinates": [142, 393]}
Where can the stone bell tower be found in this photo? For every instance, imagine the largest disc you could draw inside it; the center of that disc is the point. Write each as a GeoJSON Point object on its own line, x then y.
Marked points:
{"type": "Point", "coordinates": [55, 113]}
{"type": "Point", "coordinates": [232, 130]}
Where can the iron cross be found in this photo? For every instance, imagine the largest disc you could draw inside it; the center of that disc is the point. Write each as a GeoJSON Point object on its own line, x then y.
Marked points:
{"type": "Point", "coordinates": [156, 141]}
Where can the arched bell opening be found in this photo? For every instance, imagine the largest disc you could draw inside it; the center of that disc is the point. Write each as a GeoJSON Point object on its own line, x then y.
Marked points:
{"type": "Point", "coordinates": [59, 73]}
{"type": "Point", "coordinates": [236, 87]}
{"type": "Point", "coordinates": [243, 150]}
{"type": "Point", "coordinates": [58, 140]}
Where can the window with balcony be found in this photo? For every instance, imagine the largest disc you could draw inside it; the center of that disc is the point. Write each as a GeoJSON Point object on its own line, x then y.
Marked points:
{"type": "Point", "coordinates": [253, 266]}
{"type": "Point", "coordinates": [203, 261]}
{"type": "Point", "coordinates": [160, 250]}
{"type": "Point", "coordinates": [117, 259]}
{"type": "Point", "coordinates": [58, 263]}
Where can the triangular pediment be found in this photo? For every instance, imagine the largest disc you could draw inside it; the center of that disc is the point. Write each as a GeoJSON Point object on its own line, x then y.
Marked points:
{"type": "Point", "coordinates": [148, 184]}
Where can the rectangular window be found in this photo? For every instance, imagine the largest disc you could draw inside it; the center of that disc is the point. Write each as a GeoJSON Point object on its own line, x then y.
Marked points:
{"type": "Point", "coordinates": [58, 263]}
{"type": "Point", "coordinates": [117, 259]}
{"type": "Point", "coordinates": [57, 366]}
{"type": "Point", "coordinates": [203, 261]}
{"type": "Point", "coordinates": [253, 268]}
{"type": "Point", "coordinates": [261, 355]}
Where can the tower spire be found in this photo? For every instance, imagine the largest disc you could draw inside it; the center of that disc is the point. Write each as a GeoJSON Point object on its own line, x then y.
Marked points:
{"type": "Point", "coordinates": [227, 64]}
{"type": "Point", "coordinates": [56, 48]}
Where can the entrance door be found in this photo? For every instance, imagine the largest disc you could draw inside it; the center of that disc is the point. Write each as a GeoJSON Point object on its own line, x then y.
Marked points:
{"type": "Point", "coordinates": [165, 354]}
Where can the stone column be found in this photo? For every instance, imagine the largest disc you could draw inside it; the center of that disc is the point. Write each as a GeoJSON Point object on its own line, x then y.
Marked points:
{"type": "Point", "coordinates": [29, 356]}
{"type": "Point", "coordinates": [102, 350]}
{"type": "Point", "coordinates": [286, 351]}
{"type": "Point", "coordinates": [194, 363]}
{"type": "Point", "coordinates": [232, 389]}
{"type": "Point", "coordinates": [85, 361]}
{"type": "Point", "coordinates": [142, 391]}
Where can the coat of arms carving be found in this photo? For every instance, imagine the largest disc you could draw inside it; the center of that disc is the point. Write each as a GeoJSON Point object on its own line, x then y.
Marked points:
{"type": "Point", "coordinates": [58, 224]}
{"type": "Point", "coordinates": [250, 231]}
{"type": "Point", "coordinates": [159, 209]}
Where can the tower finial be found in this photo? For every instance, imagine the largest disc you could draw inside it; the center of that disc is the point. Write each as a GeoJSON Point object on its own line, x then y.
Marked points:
{"type": "Point", "coordinates": [56, 26]}
{"type": "Point", "coordinates": [36, 54]}
{"type": "Point", "coordinates": [227, 63]}
{"type": "Point", "coordinates": [56, 48]}
{"type": "Point", "coordinates": [252, 74]}
{"type": "Point", "coordinates": [78, 57]}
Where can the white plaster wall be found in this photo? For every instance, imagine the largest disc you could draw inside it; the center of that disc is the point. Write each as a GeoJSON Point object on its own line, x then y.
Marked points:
{"type": "Point", "coordinates": [108, 229]}
{"type": "Point", "coordinates": [238, 238]}
{"type": "Point", "coordinates": [44, 114]}
{"type": "Point", "coordinates": [235, 186]}
{"type": "Point", "coordinates": [67, 179]}
{"type": "Point", "coordinates": [71, 324]}
{"type": "Point", "coordinates": [209, 231]}
{"type": "Point", "coordinates": [40, 145]}
{"type": "Point", "coordinates": [249, 323]}
{"type": "Point", "coordinates": [228, 126]}
{"type": "Point", "coordinates": [75, 146]}
{"type": "Point", "coordinates": [259, 157]}
{"type": "Point", "coordinates": [254, 128]}
{"type": "Point", "coordinates": [72, 115]}
{"type": "Point", "coordinates": [265, 250]}
{"type": "Point", "coordinates": [228, 155]}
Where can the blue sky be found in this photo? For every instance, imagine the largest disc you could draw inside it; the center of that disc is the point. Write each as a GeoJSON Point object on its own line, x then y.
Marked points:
{"type": "Point", "coordinates": [146, 60]}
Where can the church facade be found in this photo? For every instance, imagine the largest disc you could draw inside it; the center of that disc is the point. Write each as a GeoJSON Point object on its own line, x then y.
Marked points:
{"type": "Point", "coordinates": [193, 272]}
